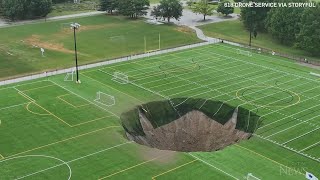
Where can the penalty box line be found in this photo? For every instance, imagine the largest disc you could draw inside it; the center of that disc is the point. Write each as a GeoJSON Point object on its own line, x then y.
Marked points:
{"type": "Point", "coordinates": [29, 98]}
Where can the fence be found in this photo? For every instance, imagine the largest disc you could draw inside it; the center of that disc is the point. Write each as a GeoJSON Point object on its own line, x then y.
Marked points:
{"type": "Point", "coordinates": [105, 62]}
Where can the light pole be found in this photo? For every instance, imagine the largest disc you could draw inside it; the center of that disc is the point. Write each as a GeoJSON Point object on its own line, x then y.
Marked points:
{"type": "Point", "coordinates": [75, 26]}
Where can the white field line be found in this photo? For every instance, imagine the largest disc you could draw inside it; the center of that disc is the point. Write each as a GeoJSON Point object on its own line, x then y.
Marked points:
{"type": "Point", "coordinates": [271, 69]}
{"type": "Point", "coordinates": [309, 147]}
{"type": "Point", "coordinates": [8, 107]}
{"type": "Point", "coordinates": [289, 116]}
{"type": "Point", "coordinates": [18, 85]}
{"type": "Point", "coordinates": [287, 107]}
{"type": "Point", "coordinates": [302, 77]}
{"type": "Point", "coordinates": [213, 166]}
{"type": "Point", "coordinates": [156, 93]}
{"type": "Point", "coordinates": [301, 135]}
{"type": "Point", "coordinates": [240, 82]}
{"type": "Point", "coordinates": [181, 62]}
{"type": "Point", "coordinates": [104, 63]}
{"type": "Point", "coordinates": [143, 75]}
{"type": "Point", "coordinates": [272, 79]}
{"type": "Point", "coordinates": [210, 84]}
{"type": "Point", "coordinates": [153, 60]}
{"type": "Point", "coordinates": [229, 67]}
{"type": "Point", "coordinates": [146, 75]}
{"type": "Point", "coordinates": [290, 149]}
{"type": "Point", "coordinates": [199, 75]}
{"type": "Point", "coordinates": [92, 154]}
{"type": "Point", "coordinates": [293, 126]}
{"type": "Point", "coordinates": [84, 99]}
{"type": "Point", "coordinates": [205, 79]}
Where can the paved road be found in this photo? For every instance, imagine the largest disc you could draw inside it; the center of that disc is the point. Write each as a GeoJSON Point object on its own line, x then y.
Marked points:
{"type": "Point", "coordinates": [6, 24]}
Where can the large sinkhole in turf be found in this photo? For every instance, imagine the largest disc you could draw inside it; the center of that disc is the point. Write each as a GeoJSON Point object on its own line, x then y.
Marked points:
{"type": "Point", "coordinates": [187, 124]}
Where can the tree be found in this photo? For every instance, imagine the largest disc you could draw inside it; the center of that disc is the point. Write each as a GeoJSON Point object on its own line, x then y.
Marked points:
{"type": "Point", "coordinates": [224, 9]}
{"type": "Point", "coordinates": [133, 8]}
{"type": "Point", "coordinates": [283, 23]}
{"type": "Point", "coordinates": [26, 9]}
{"type": "Point", "coordinates": [255, 16]}
{"type": "Point", "coordinates": [203, 7]}
{"type": "Point", "coordinates": [108, 5]}
{"type": "Point", "coordinates": [40, 8]}
{"type": "Point", "coordinates": [309, 36]}
{"type": "Point", "coordinates": [168, 9]}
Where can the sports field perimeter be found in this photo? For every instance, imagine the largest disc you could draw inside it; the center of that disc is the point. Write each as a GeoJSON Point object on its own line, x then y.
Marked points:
{"type": "Point", "coordinates": [56, 130]}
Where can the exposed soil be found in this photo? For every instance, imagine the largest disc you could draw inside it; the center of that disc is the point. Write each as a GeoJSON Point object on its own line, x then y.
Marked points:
{"type": "Point", "coordinates": [35, 41]}
{"type": "Point", "coordinates": [192, 132]}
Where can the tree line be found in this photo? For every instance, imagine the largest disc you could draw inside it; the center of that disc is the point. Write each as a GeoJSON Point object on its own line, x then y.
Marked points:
{"type": "Point", "coordinates": [167, 9]}
{"type": "Point", "coordinates": [25, 9]}
{"type": "Point", "coordinates": [297, 27]}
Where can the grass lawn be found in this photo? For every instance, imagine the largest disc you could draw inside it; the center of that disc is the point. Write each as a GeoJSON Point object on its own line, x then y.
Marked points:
{"type": "Point", "coordinates": [235, 31]}
{"type": "Point", "coordinates": [53, 129]}
{"type": "Point", "coordinates": [99, 38]}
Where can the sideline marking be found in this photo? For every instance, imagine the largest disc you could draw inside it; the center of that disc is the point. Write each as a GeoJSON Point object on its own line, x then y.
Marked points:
{"type": "Point", "coordinates": [266, 157]}
{"type": "Point", "coordinates": [64, 140]}
{"type": "Point", "coordinates": [154, 177]}
{"type": "Point", "coordinates": [51, 157]}
{"type": "Point", "coordinates": [1, 157]}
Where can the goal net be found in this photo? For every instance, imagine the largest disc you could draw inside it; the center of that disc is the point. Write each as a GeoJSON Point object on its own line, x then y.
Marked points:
{"type": "Point", "coordinates": [70, 75]}
{"type": "Point", "coordinates": [250, 176]}
{"type": "Point", "coordinates": [243, 52]}
{"type": "Point", "coordinates": [105, 99]}
{"type": "Point", "coordinates": [120, 77]}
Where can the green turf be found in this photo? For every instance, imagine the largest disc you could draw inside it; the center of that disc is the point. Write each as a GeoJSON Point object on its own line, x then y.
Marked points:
{"type": "Point", "coordinates": [99, 38]}
{"type": "Point", "coordinates": [235, 31]}
{"type": "Point", "coordinates": [48, 125]}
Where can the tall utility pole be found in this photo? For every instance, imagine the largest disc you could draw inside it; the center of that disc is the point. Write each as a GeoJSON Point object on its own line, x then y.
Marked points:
{"type": "Point", "coordinates": [76, 26]}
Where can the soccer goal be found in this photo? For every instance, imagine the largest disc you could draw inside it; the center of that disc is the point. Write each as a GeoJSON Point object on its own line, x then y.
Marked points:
{"type": "Point", "coordinates": [105, 99]}
{"type": "Point", "coordinates": [250, 176]}
{"type": "Point", "coordinates": [146, 50]}
{"type": "Point", "coordinates": [120, 77]}
{"type": "Point", "coordinates": [243, 52]}
{"type": "Point", "coordinates": [70, 75]}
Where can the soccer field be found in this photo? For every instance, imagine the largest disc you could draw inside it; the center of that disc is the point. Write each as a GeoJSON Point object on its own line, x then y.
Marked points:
{"type": "Point", "coordinates": [55, 129]}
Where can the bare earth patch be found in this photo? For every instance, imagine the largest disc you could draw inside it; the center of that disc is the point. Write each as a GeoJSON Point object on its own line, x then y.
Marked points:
{"type": "Point", "coordinates": [184, 29]}
{"type": "Point", "coordinates": [35, 41]}
{"type": "Point", "coordinates": [192, 132]}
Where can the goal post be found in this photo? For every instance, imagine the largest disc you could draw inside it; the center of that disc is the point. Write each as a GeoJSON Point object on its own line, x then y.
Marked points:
{"type": "Point", "coordinates": [146, 50]}
{"type": "Point", "coordinates": [120, 77]}
{"type": "Point", "coordinates": [69, 76]}
{"type": "Point", "coordinates": [243, 52]}
{"type": "Point", "coordinates": [250, 176]}
{"type": "Point", "coordinates": [105, 99]}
